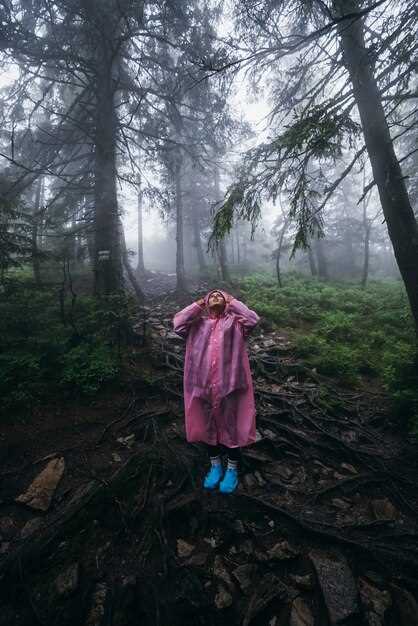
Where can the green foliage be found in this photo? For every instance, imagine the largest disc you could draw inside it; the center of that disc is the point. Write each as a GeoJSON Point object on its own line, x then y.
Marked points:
{"type": "Point", "coordinates": [87, 367]}
{"type": "Point", "coordinates": [47, 350]}
{"type": "Point", "coordinates": [345, 331]}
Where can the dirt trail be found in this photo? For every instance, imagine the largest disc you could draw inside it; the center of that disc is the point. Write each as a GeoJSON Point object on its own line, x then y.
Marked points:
{"type": "Point", "coordinates": [322, 529]}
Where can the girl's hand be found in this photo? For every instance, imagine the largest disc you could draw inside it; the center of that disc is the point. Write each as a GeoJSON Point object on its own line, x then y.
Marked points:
{"type": "Point", "coordinates": [201, 302]}
{"type": "Point", "coordinates": [228, 297]}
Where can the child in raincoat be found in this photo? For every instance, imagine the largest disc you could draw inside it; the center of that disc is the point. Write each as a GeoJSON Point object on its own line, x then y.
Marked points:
{"type": "Point", "coordinates": [218, 389]}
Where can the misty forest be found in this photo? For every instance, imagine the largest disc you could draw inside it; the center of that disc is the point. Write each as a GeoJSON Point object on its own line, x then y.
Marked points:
{"type": "Point", "coordinates": [153, 152]}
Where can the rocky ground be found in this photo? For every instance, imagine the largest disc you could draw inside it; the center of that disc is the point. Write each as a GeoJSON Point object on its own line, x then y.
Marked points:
{"type": "Point", "coordinates": [103, 520]}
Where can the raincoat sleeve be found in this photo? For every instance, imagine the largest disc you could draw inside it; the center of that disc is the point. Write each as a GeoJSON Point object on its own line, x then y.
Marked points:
{"type": "Point", "coordinates": [247, 318]}
{"type": "Point", "coordinates": [185, 318]}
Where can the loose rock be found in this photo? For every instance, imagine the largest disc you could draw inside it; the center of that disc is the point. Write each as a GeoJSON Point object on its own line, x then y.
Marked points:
{"type": "Point", "coordinates": [340, 504]}
{"type": "Point", "coordinates": [406, 604]}
{"type": "Point", "coordinates": [303, 582]}
{"type": "Point", "coordinates": [223, 598]}
{"type": "Point", "coordinates": [8, 528]}
{"type": "Point", "coordinates": [375, 601]}
{"type": "Point", "coordinates": [67, 581]}
{"type": "Point", "coordinates": [32, 526]}
{"type": "Point", "coordinates": [282, 551]}
{"type": "Point", "coordinates": [349, 468]}
{"type": "Point", "coordinates": [184, 549]}
{"type": "Point", "coordinates": [42, 489]}
{"type": "Point", "coordinates": [220, 571]}
{"type": "Point", "coordinates": [98, 605]}
{"type": "Point", "coordinates": [244, 575]}
{"type": "Point", "coordinates": [337, 584]}
{"type": "Point", "coordinates": [301, 614]}
{"type": "Point", "coordinates": [383, 509]}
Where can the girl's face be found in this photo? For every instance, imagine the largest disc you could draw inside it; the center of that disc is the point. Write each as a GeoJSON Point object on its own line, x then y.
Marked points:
{"type": "Point", "coordinates": [216, 301]}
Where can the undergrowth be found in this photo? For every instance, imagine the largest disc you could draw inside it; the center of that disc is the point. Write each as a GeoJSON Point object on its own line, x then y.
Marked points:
{"type": "Point", "coordinates": [345, 331]}
{"type": "Point", "coordinates": [53, 348]}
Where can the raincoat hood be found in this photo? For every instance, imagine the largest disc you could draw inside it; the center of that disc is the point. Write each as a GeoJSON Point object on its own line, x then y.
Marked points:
{"type": "Point", "coordinates": [212, 291]}
{"type": "Point", "coordinates": [208, 296]}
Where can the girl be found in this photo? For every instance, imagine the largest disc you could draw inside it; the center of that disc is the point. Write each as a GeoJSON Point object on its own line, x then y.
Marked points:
{"type": "Point", "coordinates": [218, 389]}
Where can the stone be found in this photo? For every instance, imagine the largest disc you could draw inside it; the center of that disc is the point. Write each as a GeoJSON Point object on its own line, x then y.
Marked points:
{"type": "Point", "coordinates": [303, 582]}
{"type": "Point", "coordinates": [383, 509]}
{"type": "Point", "coordinates": [211, 541]}
{"type": "Point", "coordinates": [350, 468]}
{"type": "Point", "coordinates": [239, 526]}
{"type": "Point", "coordinates": [250, 481]}
{"type": "Point", "coordinates": [300, 613]}
{"type": "Point", "coordinates": [259, 478]}
{"type": "Point", "coordinates": [41, 491]}
{"type": "Point", "coordinates": [116, 457]}
{"type": "Point", "coordinates": [223, 598]}
{"type": "Point", "coordinates": [220, 571]}
{"type": "Point", "coordinates": [127, 441]}
{"type": "Point", "coordinates": [4, 547]}
{"type": "Point", "coordinates": [349, 436]}
{"type": "Point", "coordinates": [269, 343]}
{"type": "Point", "coordinates": [406, 604]}
{"type": "Point", "coordinates": [32, 526]}
{"type": "Point", "coordinates": [337, 584]}
{"type": "Point", "coordinates": [247, 547]}
{"type": "Point", "coordinates": [282, 470]}
{"type": "Point", "coordinates": [244, 574]}
{"type": "Point", "coordinates": [98, 606]}
{"type": "Point", "coordinates": [282, 551]}
{"type": "Point", "coordinates": [375, 601]}
{"type": "Point", "coordinates": [197, 560]}
{"type": "Point", "coordinates": [184, 549]}
{"type": "Point", "coordinates": [67, 581]}
{"type": "Point", "coordinates": [340, 504]}
{"type": "Point", "coordinates": [8, 528]}
{"type": "Point", "coordinates": [338, 476]}
{"type": "Point", "coordinates": [269, 434]}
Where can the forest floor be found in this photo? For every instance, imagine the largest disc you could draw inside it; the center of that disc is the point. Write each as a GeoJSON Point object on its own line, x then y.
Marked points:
{"type": "Point", "coordinates": [103, 520]}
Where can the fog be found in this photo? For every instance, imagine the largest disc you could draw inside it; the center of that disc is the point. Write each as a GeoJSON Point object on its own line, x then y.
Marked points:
{"type": "Point", "coordinates": [233, 146]}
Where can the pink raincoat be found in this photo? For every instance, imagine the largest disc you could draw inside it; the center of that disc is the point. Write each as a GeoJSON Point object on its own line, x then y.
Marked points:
{"type": "Point", "coordinates": [218, 389]}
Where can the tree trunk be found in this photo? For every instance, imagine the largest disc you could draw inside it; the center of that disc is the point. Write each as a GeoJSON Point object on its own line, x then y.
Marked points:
{"type": "Point", "coordinates": [181, 277]}
{"type": "Point", "coordinates": [312, 263]}
{"type": "Point", "coordinates": [401, 222]}
{"type": "Point", "coordinates": [321, 258]}
{"type": "Point", "coordinates": [238, 243]}
{"type": "Point", "coordinates": [130, 272]}
{"type": "Point", "coordinates": [108, 271]}
{"type": "Point", "coordinates": [140, 268]}
{"type": "Point", "coordinates": [37, 218]}
{"type": "Point", "coordinates": [366, 255]}
{"type": "Point", "coordinates": [223, 260]}
{"type": "Point", "coordinates": [197, 242]}
{"type": "Point", "coordinates": [279, 250]}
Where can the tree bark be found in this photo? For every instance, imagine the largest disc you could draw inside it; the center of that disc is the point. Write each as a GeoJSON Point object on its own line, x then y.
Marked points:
{"type": "Point", "coordinates": [108, 271]}
{"type": "Point", "coordinates": [198, 242]}
{"type": "Point", "coordinates": [223, 259]}
{"type": "Point", "coordinates": [321, 258]}
{"type": "Point", "coordinates": [366, 255]}
{"type": "Point", "coordinates": [181, 276]}
{"type": "Point", "coordinates": [140, 268]}
{"type": "Point", "coordinates": [279, 250]}
{"type": "Point", "coordinates": [312, 263]}
{"type": "Point", "coordinates": [130, 272]}
{"type": "Point", "coordinates": [401, 222]}
{"type": "Point", "coordinates": [37, 218]}
{"type": "Point", "coordinates": [237, 243]}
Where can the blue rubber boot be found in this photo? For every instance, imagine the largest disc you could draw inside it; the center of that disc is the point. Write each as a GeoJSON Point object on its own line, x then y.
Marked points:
{"type": "Point", "coordinates": [230, 481]}
{"type": "Point", "coordinates": [213, 476]}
